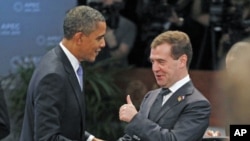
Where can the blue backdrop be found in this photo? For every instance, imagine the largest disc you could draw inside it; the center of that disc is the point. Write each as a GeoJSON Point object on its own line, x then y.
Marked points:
{"type": "Point", "coordinates": [29, 28]}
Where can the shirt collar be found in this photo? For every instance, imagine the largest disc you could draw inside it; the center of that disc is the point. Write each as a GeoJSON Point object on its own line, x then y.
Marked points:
{"type": "Point", "coordinates": [73, 61]}
{"type": "Point", "coordinates": [179, 84]}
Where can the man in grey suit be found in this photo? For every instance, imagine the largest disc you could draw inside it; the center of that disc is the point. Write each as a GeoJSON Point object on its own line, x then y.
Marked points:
{"type": "Point", "coordinates": [55, 106]}
{"type": "Point", "coordinates": [182, 113]}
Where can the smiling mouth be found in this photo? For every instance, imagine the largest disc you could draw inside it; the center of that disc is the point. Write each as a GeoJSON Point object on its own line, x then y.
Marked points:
{"type": "Point", "coordinates": [159, 76]}
{"type": "Point", "coordinates": [98, 50]}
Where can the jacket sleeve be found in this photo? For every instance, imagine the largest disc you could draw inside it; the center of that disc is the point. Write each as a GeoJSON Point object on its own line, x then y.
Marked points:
{"type": "Point", "coordinates": [190, 126]}
{"type": "Point", "coordinates": [48, 102]}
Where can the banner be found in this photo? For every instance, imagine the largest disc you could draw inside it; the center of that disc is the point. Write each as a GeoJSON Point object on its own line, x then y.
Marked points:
{"type": "Point", "coordinates": [29, 28]}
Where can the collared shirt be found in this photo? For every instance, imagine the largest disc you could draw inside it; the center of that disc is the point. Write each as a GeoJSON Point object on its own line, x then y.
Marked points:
{"type": "Point", "coordinates": [75, 64]}
{"type": "Point", "coordinates": [72, 59]}
{"type": "Point", "coordinates": [175, 87]}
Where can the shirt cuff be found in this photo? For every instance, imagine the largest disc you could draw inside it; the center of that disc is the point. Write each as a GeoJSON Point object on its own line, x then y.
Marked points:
{"type": "Point", "coordinates": [90, 138]}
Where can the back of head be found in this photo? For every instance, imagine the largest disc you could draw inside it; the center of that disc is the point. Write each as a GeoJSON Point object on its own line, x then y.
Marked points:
{"type": "Point", "coordinates": [179, 41]}
{"type": "Point", "coordinates": [236, 83]}
{"type": "Point", "coordinates": [81, 19]}
{"type": "Point", "coordinates": [238, 58]}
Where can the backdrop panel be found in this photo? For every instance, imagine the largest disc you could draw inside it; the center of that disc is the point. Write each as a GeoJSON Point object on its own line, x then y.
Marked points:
{"type": "Point", "coordinates": [29, 28]}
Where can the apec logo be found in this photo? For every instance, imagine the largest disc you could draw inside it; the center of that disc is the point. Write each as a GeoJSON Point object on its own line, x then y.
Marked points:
{"type": "Point", "coordinates": [239, 132]}
{"type": "Point", "coordinates": [29, 7]}
{"type": "Point", "coordinates": [10, 29]}
{"type": "Point", "coordinates": [48, 41]}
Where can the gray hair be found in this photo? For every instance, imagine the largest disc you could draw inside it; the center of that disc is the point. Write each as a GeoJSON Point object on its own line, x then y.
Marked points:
{"type": "Point", "coordinates": [81, 19]}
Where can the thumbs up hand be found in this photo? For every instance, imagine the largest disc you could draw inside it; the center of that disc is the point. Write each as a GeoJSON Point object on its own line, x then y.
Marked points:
{"type": "Point", "coordinates": [129, 101]}
{"type": "Point", "coordinates": [127, 111]}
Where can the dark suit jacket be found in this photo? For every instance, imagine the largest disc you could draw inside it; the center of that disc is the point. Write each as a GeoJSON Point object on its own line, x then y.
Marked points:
{"type": "Point", "coordinates": [4, 118]}
{"type": "Point", "coordinates": [185, 117]}
{"type": "Point", "coordinates": [55, 107]}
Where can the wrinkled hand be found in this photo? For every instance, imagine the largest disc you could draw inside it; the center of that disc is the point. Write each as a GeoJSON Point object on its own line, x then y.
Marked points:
{"type": "Point", "coordinates": [96, 139]}
{"type": "Point", "coordinates": [127, 111]}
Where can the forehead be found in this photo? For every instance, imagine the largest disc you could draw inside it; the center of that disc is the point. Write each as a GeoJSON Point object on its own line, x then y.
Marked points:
{"type": "Point", "coordinates": [162, 52]}
{"type": "Point", "coordinates": [161, 49]}
{"type": "Point", "coordinates": [100, 29]}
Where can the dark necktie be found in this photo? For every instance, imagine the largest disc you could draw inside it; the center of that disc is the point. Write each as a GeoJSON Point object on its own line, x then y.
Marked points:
{"type": "Point", "coordinates": [156, 107]}
{"type": "Point", "coordinates": [80, 75]}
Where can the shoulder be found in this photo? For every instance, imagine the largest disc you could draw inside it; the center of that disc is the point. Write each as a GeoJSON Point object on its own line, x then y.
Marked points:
{"type": "Point", "coordinates": [197, 98]}
{"type": "Point", "coordinates": [127, 22]}
{"type": "Point", "coordinates": [152, 92]}
{"type": "Point", "coordinates": [51, 65]}
{"type": "Point", "coordinates": [192, 93]}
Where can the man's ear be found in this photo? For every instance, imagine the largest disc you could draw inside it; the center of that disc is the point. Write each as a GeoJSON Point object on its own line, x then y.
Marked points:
{"type": "Point", "coordinates": [78, 37]}
{"type": "Point", "coordinates": [183, 60]}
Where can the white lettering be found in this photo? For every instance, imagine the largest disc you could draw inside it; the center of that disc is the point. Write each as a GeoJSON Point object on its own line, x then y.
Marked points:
{"type": "Point", "coordinates": [239, 132]}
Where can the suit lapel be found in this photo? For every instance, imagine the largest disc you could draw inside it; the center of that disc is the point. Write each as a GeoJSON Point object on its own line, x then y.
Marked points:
{"type": "Point", "coordinates": [177, 98]}
{"type": "Point", "coordinates": [151, 99]}
{"type": "Point", "coordinates": [77, 90]}
{"type": "Point", "coordinates": [72, 79]}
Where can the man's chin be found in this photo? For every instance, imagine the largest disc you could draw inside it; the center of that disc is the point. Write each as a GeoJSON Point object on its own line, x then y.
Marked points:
{"type": "Point", "coordinates": [90, 60]}
{"type": "Point", "coordinates": [159, 84]}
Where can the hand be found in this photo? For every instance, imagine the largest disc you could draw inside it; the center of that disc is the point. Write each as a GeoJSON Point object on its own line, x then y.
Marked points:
{"type": "Point", "coordinates": [211, 133]}
{"type": "Point", "coordinates": [127, 111]}
{"type": "Point", "coordinates": [110, 38]}
{"type": "Point", "coordinates": [96, 139]}
{"type": "Point", "coordinates": [175, 19]}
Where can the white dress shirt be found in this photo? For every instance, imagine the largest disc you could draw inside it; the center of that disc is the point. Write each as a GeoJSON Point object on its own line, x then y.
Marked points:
{"type": "Point", "coordinates": [175, 87]}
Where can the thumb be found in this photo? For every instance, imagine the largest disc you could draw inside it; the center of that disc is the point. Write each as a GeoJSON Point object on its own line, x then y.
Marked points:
{"type": "Point", "coordinates": [129, 101]}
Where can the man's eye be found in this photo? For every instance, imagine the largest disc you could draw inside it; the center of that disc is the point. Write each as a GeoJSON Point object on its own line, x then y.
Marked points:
{"type": "Point", "coordinates": [100, 38]}
{"type": "Point", "coordinates": [161, 62]}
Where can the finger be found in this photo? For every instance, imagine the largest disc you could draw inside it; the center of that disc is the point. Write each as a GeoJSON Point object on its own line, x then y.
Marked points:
{"type": "Point", "coordinates": [121, 109]}
{"type": "Point", "coordinates": [129, 101]}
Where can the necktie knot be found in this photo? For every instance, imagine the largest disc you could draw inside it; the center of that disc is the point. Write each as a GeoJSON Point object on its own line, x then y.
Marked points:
{"type": "Point", "coordinates": [165, 91]}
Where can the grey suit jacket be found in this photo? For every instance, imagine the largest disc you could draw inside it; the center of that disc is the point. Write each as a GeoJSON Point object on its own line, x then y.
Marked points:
{"type": "Point", "coordinates": [185, 117]}
{"type": "Point", "coordinates": [55, 107]}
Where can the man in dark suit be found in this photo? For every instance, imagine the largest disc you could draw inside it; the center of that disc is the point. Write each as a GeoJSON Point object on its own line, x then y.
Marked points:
{"type": "Point", "coordinates": [175, 112]}
{"type": "Point", "coordinates": [55, 106]}
{"type": "Point", "coordinates": [4, 117]}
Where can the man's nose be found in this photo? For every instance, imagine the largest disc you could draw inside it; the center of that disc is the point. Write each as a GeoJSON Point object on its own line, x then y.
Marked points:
{"type": "Point", "coordinates": [103, 43]}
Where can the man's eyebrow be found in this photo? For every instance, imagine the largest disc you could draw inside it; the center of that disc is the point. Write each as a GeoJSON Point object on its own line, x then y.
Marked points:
{"type": "Point", "coordinates": [157, 59]}
{"type": "Point", "coordinates": [99, 37]}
